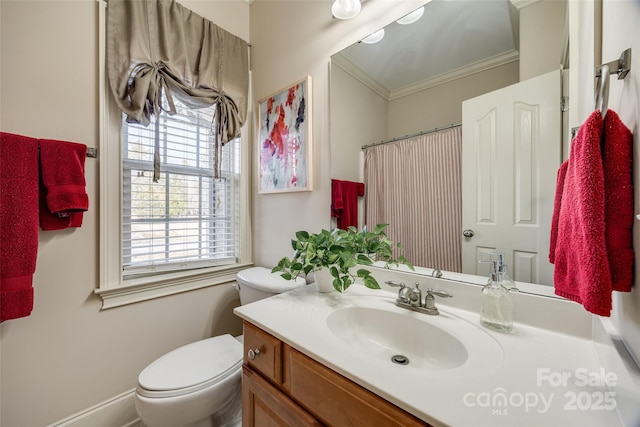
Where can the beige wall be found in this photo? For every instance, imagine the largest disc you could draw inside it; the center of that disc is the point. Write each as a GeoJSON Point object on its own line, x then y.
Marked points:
{"type": "Point", "coordinates": [541, 33]}
{"type": "Point", "coordinates": [358, 116]}
{"type": "Point", "coordinates": [68, 355]}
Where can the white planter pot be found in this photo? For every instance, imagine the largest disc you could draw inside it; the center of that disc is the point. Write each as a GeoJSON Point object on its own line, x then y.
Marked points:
{"type": "Point", "coordinates": [323, 280]}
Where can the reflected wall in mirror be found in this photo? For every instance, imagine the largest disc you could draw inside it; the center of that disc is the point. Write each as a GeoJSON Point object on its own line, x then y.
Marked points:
{"type": "Point", "coordinates": [417, 77]}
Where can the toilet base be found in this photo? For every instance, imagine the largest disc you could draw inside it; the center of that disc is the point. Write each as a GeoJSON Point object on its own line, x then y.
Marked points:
{"type": "Point", "coordinates": [223, 402]}
{"type": "Point", "coordinates": [215, 421]}
{"type": "Point", "coordinates": [228, 417]}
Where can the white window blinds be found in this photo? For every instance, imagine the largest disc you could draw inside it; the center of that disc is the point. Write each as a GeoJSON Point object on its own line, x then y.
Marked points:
{"type": "Point", "coordinates": [188, 219]}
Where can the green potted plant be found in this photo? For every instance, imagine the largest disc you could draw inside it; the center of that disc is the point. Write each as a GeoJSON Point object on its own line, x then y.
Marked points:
{"type": "Point", "coordinates": [339, 251]}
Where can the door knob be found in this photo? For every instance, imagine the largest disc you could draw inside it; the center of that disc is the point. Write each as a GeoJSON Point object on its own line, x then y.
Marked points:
{"type": "Point", "coordinates": [467, 233]}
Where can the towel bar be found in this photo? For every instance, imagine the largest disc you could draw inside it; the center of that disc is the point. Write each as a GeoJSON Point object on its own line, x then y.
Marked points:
{"type": "Point", "coordinates": [620, 66]}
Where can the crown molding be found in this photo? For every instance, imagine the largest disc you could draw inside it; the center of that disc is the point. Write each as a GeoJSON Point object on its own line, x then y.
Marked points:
{"type": "Point", "coordinates": [355, 72]}
{"type": "Point", "coordinates": [458, 73]}
{"type": "Point", "coordinates": [468, 70]}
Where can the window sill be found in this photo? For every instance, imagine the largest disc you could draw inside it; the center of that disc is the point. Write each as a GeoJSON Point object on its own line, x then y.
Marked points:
{"type": "Point", "coordinates": [138, 290]}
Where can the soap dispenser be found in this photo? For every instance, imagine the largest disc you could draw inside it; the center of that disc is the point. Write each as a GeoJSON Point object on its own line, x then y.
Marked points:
{"type": "Point", "coordinates": [505, 280]}
{"type": "Point", "coordinates": [496, 311]}
{"type": "Point", "coordinates": [503, 275]}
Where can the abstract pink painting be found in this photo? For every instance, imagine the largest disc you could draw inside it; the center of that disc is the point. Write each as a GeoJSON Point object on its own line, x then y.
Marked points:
{"type": "Point", "coordinates": [285, 139]}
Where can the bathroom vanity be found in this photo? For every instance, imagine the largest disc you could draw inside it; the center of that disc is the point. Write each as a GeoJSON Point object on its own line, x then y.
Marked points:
{"type": "Point", "coordinates": [328, 359]}
{"type": "Point", "coordinates": [281, 386]}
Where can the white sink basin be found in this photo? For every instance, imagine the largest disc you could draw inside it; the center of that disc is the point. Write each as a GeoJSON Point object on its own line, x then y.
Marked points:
{"type": "Point", "coordinates": [417, 340]}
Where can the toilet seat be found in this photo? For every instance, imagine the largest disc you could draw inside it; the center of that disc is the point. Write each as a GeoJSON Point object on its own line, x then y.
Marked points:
{"type": "Point", "coordinates": [191, 368]}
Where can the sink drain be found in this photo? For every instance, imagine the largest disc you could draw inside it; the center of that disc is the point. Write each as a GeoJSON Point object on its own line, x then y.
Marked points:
{"type": "Point", "coordinates": [400, 359]}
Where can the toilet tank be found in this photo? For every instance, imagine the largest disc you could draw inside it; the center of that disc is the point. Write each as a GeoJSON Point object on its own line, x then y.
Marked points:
{"type": "Point", "coordinates": [257, 283]}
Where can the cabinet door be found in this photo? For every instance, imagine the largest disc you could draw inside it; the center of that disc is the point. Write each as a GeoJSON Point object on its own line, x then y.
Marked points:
{"type": "Point", "coordinates": [336, 400]}
{"type": "Point", "coordinates": [263, 405]}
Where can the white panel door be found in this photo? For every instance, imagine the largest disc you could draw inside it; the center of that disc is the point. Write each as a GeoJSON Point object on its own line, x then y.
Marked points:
{"type": "Point", "coordinates": [511, 151]}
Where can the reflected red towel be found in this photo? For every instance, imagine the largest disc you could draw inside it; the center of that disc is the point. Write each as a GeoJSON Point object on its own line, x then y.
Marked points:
{"type": "Point", "coordinates": [581, 269]}
{"type": "Point", "coordinates": [63, 189]}
{"type": "Point", "coordinates": [618, 188]}
{"type": "Point", "coordinates": [336, 198]}
{"type": "Point", "coordinates": [557, 202]}
{"type": "Point", "coordinates": [18, 224]}
{"type": "Point", "coordinates": [344, 202]}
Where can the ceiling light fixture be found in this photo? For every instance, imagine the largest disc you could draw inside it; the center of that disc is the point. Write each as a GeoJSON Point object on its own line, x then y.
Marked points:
{"type": "Point", "coordinates": [374, 37]}
{"type": "Point", "coordinates": [345, 9]}
{"type": "Point", "coordinates": [412, 17]}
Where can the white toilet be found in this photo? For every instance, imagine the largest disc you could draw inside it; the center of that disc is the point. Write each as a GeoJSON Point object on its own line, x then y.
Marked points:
{"type": "Point", "coordinates": [199, 384]}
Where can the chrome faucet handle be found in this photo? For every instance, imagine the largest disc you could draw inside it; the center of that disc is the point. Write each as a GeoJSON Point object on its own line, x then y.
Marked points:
{"type": "Point", "coordinates": [403, 292]}
{"type": "Point", "coordinates": [437, 273]}
{"type": "Point", "coordinates": [430, 300]}
{"type": "Point", "coordinates": [395, 284]}
{"type": "Point", "coordinates": [442, 294]}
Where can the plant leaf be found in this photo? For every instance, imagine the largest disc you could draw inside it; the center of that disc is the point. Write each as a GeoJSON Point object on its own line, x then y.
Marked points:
{"type": "Point", "coordinates": [362, 273]}
{"type": "Point", "coordinates": [370, 282]}
{"type": "Point", "coordinates": [364, 260]}
{"type": "Point", "coordinates": [334, 272]}
{"type": "Point", "coordinates": [379, 228]}
{"type": "Point", "coordinates": [302, 236]}
{"type": "Point", "coordinates": [337, 285]}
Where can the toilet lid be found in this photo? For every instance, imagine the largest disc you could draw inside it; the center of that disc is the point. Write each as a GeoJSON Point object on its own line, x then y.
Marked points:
{"type": "Point", "coordinates": [263, 279]}
{"type": "Point", "coordinates": [191, 367]}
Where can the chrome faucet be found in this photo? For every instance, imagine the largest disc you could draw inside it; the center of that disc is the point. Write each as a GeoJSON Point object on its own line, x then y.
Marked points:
{"type": "Point", "coordinates": [412, 298]}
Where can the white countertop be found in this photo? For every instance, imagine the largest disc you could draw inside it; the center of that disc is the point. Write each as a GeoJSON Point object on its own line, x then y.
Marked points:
{"type": "Point", "coordinates": [542, 378]}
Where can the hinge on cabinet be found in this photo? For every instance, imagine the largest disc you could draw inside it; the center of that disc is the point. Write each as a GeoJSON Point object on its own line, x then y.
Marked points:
{"type": "Point", "coordinates": [564, 103]}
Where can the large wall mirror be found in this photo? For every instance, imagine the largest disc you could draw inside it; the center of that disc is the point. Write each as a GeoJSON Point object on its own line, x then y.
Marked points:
{"type": "Point", "coordinates": [416, 78]}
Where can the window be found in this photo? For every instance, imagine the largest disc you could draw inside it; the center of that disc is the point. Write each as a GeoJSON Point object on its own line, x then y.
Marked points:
{"type": "Point", "coordinates": [188, 219]}
{"type": "Point", "coordinates": [188, 230]}
{"type": "Point", "coordinates": [185, 232]}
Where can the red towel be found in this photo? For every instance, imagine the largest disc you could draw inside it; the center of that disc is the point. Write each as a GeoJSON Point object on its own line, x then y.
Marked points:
{"type": "Point", "coordinates": [618, 184]}
{"type": "Point", "coordinates": [63, 189]}
{"type": "Point", "coordinates": [344, 202]}
{"type": "Point", "coordinates": [581, 269]}
{"type": "Point", "coordinates": [18, 224]}
{"type": "Point", "coordinates": [336, 198]}
{"type": "Point", "coordinates": [557, 202]}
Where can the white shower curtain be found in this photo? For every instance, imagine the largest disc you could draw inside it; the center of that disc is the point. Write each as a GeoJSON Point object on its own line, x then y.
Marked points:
{"type": "Point", "coordinates": [414, 185]}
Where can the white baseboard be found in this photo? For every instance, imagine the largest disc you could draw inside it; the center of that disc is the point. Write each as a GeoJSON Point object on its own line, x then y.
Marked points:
{"type": "Point", "coordinates": [118, 411]}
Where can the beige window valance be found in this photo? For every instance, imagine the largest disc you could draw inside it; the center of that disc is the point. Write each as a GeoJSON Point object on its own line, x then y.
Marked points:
{"type": "Point", "coordinates": [159, 48]}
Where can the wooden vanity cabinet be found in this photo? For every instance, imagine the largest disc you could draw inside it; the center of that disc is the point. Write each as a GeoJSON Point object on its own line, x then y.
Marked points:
{"type": "Point", "coordinates": [283, 387]}
{"type": "Point", "coordinates": [264, 405]}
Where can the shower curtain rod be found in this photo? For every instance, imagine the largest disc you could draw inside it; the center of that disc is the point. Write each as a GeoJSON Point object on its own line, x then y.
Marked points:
{"type": "Point", "coordinates": [400, 138]}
